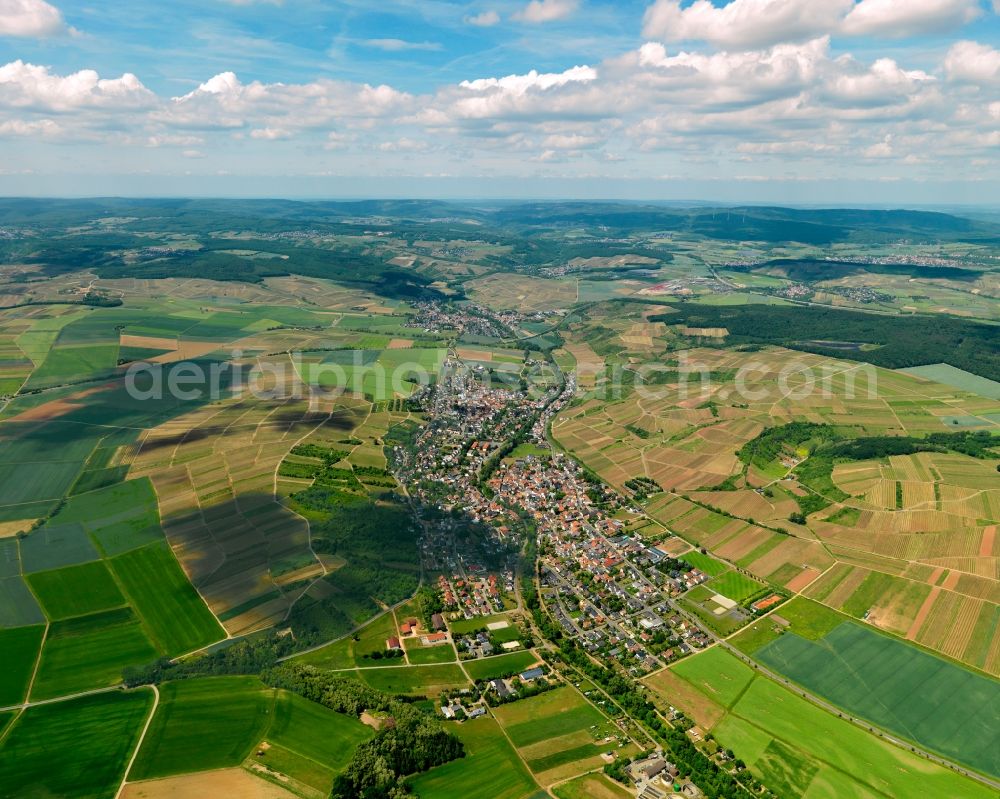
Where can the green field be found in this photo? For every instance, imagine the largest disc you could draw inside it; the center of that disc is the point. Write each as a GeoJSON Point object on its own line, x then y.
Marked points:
{"type": "Point", "coordinates": [549, 715]}
{"type": "Point", "coordinates": [53, 546]}
{"type": "Point", "coordinates": [735, 586]}
{"type": "Point", "coordinates": [78, 748]}
{"type": "Point", "coordinates": [204, 724]}
{"type": "Point", "coordinates": [806, 619]}
{"type": "Point", "coordinates": [704, 563]}
{"type": "Point", "coordinates": [175, 617]}
{"type": "Point", "coordinates": [20, 652]}
{"type": "Point", "coordinates": [89, 652]}
{"type": "Point", "coordinates": [440, 653]}
{"type": "Point", "coordinates": [490, 769]}
{"type": "Point", "coordinates": [500, 665]}
{"type": "Point", "coordinates": [877, 677]}
{"type": "Point", "coordinates": [18, 606]}
{"type": "Point", "coordinates": [799, 749]}
{"type": "Point", "coordinates": [415, 679]}
{"type": "Point", "coordinates": [310, 742]}
{"type": "Point", "coordinates": [462, 626]}
{"type": "Point", "coordinates": [355, 649]}
{"type": "Point", "coordinates": [957, 378]}
{"type": "Point", "coordinates": [217, 722]}
{"type": "Point", "coordinates": [76, 590]}
{"type": "Point", "coordinates": [716, 673]}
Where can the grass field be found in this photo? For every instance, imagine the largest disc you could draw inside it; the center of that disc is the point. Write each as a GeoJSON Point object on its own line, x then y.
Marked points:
{"type": "Point", "coordinates": [490, 769]}
{"type": "Point", "coordinates": [309, 742]}
{"type": "Point", "coordinates": [173, 614]}
{"type": "Point", "coordinates": [877, 677]}
{"type": "Point", "coordinates": [20, 651]}
{"type": "Point", "coordinates": [204, 724]}
{"type": "Point", "coordinates": [549, 715]}
{"type": "Point", "coordinates": [422, 655]}
{"type": "Point", "coordinates": [462, 626]}
{"type": "Point", "coordinates": [78, 748]}
{"type": "Point", "coordinates": [500, 666]}
{"type": "Point", "coordinates": [705, 563]}
{"type": "Point", "coordinates": [799, 749]}
{"type": "Point", "coordinates": [348, 652]}
{"type": "Point", "coordinates": [717, 674]}
{"type": "Point", "coordinates": [90, 652]}
{"type": "Point", "coordinates": [415, 679]}
{"type": "Point", "coordinates": [76, 590]}
{"type": "Point", "coordinates": [592, 786]}
{"type": "Point", "coordinates": [735, 586]}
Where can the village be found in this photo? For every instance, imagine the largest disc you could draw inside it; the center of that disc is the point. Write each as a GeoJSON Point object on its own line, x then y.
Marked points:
{"type": "Point", "coordinates": [485, 479]}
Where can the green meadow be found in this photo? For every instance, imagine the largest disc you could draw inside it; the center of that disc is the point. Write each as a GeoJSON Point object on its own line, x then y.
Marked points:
{"type": "Point", "coordinates": [20, 652]}
{"type": "Point", "coordinates": [88, 652]}
{"type": "Point", "coordinates": [876, 677]}
{"type": "Point", "coordinates": [500, 665]}
{"type": "Point", "coordinates": [204, 724]}
{"type": "Point", "coordinates": [218, 722]}
{"type": "Point", "coordinates": [78, 748]}
{"type": "Point", "coordinates": [800, 750]}
{"type": "Point", "coordinates": [490, 769]}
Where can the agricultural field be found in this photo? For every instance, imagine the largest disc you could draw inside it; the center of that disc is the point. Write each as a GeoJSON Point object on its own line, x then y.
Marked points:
{"type": "Point", "coordinates": [906, 543]}
{"type": "Point", "coordinates": [500, 665]}
{"type": "Point", "coordinates": [875, 677]}
{"type": "Point", "coordinates": [802, 750]}
{"type": "Point", "coordinates": [417, 680]}
{"type": "Point", "coordinates": [355, 650]}
{"type": "Point", "coordinates": [487, 753]}
{"type": "Point", "coordinates": [558, 733]}
{"type": "Point", "coordinates": [224, 722]}
{"type": "Point", "coordinates": [90, 738]}
{"type": "Point", "coordinates": [20, 646]}
{"type": "Point", "coordinates": [591, 786]}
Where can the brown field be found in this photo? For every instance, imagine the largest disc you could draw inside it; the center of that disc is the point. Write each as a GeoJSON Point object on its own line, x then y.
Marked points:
{"type": "Point", "coordinates": [214, 475]}
{"type": "Point", "coordinates": [678, 692]}
{"type": "Point", "coordinates": [943, 536]}
{"type": "Point", "coordinates": [230, 783]}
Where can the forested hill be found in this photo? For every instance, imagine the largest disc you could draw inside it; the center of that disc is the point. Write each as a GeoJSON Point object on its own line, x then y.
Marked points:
{"type": "Point", "coordinates": [898, 341]}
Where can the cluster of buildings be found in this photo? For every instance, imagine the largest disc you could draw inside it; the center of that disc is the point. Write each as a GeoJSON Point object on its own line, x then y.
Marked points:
{"type": "Point", "coordinates": [655, 777]}
{"type": "Point", "coordinates": [609, 590]}
{"type": "Point", "coordinates": [470, 320]}
{"type": "Point", "coordinates": [474, 595]}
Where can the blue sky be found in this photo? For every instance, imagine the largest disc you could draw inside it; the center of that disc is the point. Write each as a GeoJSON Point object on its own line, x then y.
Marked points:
{"type": "Point", "coordinates": [805, 101]}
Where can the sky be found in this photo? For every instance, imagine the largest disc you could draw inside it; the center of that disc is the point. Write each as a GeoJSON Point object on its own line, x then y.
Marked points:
{"type": "Point", "coordinates": [801, 102]}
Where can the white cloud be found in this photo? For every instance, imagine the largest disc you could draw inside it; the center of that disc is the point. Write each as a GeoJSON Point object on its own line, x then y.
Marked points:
{"type": "Point", "coordinates": [20, 127]}
{"type": "Point", "coordinates": [736, 78]}
{"type": "Point", "coordinates": [547, 10]}
{"type": "Point", "coordinates": [882, 84]}
{"type": "Point", "coordinates": [519, 84]}
{"type": "Point", "coordinates": [270, 134]}
{"type": "Point", "coordinates": [900, 18]}
{"type": "Point", "coordinates": [401, 45]}
{"type": "Point", "coordinates": [572, 141]}
{"type": "Point", "coordinates": [972, 62]}
{"type": "Point", "coordinates": [224, 101]}
{"type": "Point", "coordinates": [404, 145]}
{"type": "Point", "coordinates": [33, 18]}
{"type": "Point", "coordinates": [29, 86]}
{"type": "Point", "coordinates": [489, 18]}
{"type": "Point", "coordinates": [743, 23]}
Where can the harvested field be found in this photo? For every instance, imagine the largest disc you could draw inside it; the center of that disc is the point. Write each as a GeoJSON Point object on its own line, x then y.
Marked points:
{"type": "Point", "coordinates": [222, 783]}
